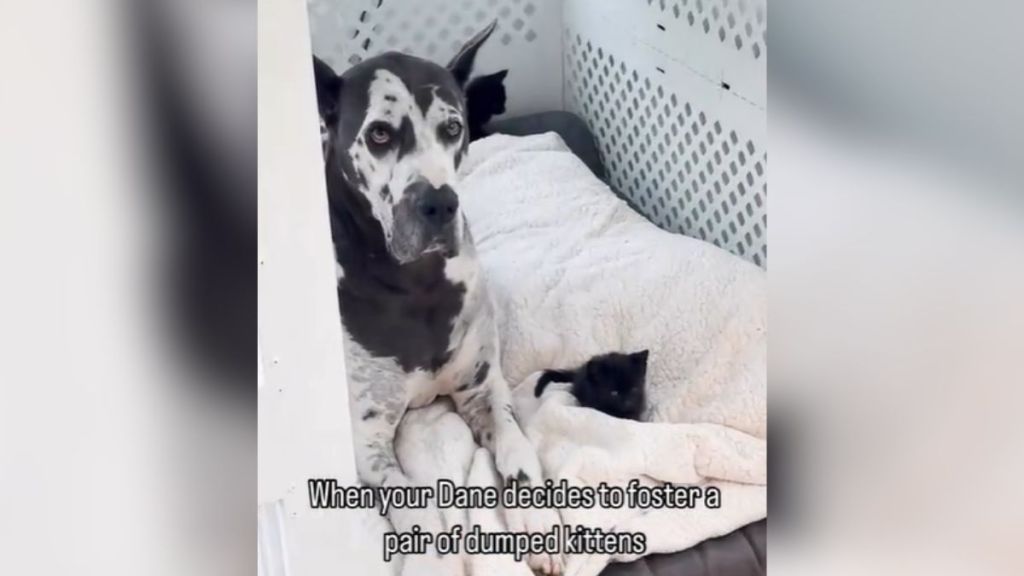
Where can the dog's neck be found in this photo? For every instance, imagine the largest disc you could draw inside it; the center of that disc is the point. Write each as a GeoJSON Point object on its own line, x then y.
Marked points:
{"type": "Point", "coordinates": [404, 311]}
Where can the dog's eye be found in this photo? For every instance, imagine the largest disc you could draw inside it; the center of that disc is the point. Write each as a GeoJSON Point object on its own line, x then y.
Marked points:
{"type": "Point", "coordinates": [379, 134]}
{"type": "Point", "coordinates": [453, 128]}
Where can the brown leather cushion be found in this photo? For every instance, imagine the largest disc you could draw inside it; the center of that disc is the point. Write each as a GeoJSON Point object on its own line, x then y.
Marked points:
{"type": "Point", "coordinates": [739, 553]}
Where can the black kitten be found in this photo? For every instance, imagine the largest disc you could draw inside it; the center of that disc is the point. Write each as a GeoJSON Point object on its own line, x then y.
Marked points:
{"type": "Point", "coordinates": [485, 98]}
{"type": "Point", "coordinates": [611, 383]}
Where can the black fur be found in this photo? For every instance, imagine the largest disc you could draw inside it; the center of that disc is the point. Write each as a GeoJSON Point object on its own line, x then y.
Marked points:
{"type": "Point", "coordinates": [612, 383]}
{"type": "Point", "coordinates": [403, 311]}
{"type": "Point", "coordinates": [399, 310]}
{"type": "Point", "coordinates": [485, 98]}
{"type": "Point", "coordinates": [461, 65]}
{"type": "Point", "coordinates": [328, 85]}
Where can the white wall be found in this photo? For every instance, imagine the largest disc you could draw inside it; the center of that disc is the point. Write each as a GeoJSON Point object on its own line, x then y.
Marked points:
{"type": "Point", "coordinates": [304, 428]}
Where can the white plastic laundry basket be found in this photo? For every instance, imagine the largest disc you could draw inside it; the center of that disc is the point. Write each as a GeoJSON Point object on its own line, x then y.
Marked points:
{"type": "Point", "coordinates": [673, 90]}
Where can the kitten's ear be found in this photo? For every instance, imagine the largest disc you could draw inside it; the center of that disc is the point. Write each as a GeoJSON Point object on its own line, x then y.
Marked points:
{"type": "Point", "coordinates": [462, 64]}
{"type": "Point", "coordinates": [328, 91]}
{"type": "Point", "coordinates": [639, 358]}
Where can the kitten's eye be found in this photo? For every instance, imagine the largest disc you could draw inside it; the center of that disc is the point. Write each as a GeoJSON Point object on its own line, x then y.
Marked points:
{"type": "Point", "coordinates": [453, 128]}
{"type": "Point", "coordinates": [379, 134]}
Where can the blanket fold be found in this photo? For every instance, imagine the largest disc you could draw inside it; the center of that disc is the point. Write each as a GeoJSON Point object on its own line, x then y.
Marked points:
{"type": "Point", "coordinates": [575, 272]}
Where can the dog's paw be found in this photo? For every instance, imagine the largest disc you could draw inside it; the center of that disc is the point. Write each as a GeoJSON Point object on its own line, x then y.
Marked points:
{"type": "Point", "coordinates": [516, 459]}
{"type": "Point", "coordinates": [537, 521]}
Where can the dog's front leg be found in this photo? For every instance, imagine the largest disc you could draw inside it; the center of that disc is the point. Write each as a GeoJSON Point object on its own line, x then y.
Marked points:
{"type": "Point", "coordinates": [377, 413]}
{"type": "Point", "coordinates": [485, 402]}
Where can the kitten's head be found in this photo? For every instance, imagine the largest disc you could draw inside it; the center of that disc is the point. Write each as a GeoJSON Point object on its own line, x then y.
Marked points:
{"type": "Point", "coordinates": [616, 383]}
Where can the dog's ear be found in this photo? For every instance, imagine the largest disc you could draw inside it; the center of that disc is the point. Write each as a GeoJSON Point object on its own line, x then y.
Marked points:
{"type": "Point", "coordinates": [639, 358]}
{"type": "Point", "coordinates": [328, 90]}
{"type": "Point", "coordinates": [462, 64]}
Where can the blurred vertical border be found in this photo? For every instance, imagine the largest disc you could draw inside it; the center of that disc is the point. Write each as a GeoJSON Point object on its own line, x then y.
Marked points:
{"type": "Point", "coordinates": [896, 132]}
{"type": "Point", "coordinates": [128, 242]}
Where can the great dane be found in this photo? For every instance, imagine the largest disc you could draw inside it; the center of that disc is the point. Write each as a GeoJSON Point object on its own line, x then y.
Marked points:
{"type": "Point", "coordinates": [418, 321]}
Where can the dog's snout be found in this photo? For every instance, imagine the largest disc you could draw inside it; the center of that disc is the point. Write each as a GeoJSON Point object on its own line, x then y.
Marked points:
{"type": "Point", "coordinates": [437, 206]}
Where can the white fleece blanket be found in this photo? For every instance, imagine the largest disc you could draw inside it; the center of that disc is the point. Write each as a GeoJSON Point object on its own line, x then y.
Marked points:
{"type": "Point", "coordinates": [574, 272]}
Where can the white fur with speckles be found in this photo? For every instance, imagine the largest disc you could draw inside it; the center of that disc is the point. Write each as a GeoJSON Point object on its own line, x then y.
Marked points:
{"type": "Point", "coordinates": [381, 392]}
{"type": "Point", "coordinates": [431, 159]}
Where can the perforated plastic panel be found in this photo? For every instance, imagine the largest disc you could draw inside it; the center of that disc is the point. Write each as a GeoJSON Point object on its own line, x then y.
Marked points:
{"type": "Point", "coordinates": [527, 40]}
{"type": "Point", "coordinates": [741, 23]}
{"type": "Point", "coordinates": [674, 90]}
{"type": "Point", "coordinates": [676, 100]}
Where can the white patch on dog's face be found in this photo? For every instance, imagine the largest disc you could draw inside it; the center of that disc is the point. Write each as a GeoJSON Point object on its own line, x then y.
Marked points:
{"type": "Point", "coordinates": [400, 144]}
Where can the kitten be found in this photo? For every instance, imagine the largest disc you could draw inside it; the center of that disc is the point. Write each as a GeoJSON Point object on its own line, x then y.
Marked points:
{"type": "Point", "coordinates": [611, 383]}
{"type": "Point", "coordinates": [485, 98]}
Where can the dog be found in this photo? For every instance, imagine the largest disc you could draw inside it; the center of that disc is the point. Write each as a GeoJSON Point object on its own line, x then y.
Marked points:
{"type": "Point", "coordinates": [417, 318]}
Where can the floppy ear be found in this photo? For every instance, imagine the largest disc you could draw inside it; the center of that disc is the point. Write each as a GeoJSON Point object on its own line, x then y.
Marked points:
{"type": "Point", "coordinates": [328, 89]}
{"type": "Point", "coordinates": [639, 358]}
{"type": "Point", "coordinates": [462, 64]}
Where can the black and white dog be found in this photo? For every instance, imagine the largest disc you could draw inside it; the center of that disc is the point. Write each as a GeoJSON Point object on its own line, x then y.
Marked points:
{"type": "Point", "coordinates": [417, 318]}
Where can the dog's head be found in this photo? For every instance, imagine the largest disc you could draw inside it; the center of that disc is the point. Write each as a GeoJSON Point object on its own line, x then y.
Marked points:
{"type": "Point", "coordinates": [396, 129]}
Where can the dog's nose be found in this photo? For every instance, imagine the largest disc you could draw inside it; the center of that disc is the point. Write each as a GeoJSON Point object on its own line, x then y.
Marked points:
{"type": "Point", "coordinates": [437, 206]}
